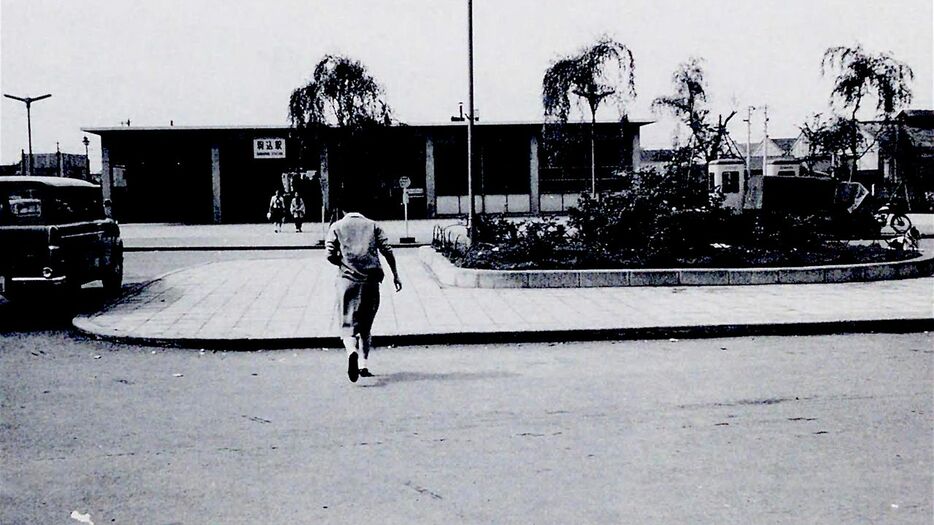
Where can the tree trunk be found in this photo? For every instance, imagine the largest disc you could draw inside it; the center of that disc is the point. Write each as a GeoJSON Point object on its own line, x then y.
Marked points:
{"type": "Point", "coordinates": [854, 142]}
{"type": "Point", "coordinates": [593, 156]}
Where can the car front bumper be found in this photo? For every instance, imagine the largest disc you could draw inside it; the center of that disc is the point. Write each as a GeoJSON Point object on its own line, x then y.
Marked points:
{"type": "Point", "coordinates": [12, 284]}
{"type": "Point", "coordinates": [49, 281]}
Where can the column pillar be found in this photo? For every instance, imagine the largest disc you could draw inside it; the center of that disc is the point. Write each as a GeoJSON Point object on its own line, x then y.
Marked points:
{"type": "Point", "coordinates": [636, 151]}
{"type": "Point", "coordinates": [534, 197]}
{"type": "Point", "coordinates": [430, 197]}
{"type": "Point", "coordinates": [216, 182]}
{"type": "Point", "coordinates": [325, 179]}
{"type": "Point", "coordinates": [107, 178]}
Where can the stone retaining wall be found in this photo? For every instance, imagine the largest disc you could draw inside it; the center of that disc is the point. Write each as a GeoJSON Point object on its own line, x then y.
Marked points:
{"type": "Point", "coordinates": [450, 275]}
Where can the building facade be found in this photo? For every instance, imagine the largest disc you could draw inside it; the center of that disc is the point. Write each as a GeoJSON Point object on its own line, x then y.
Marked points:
{"type": "Point", "coordinates": [227, 174]}
{"type": "Point", "coordinates": [51, 165]}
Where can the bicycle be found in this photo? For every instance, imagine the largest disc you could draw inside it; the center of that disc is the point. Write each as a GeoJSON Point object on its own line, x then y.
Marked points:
{"type": "Point", "coordinates": [893, 214]}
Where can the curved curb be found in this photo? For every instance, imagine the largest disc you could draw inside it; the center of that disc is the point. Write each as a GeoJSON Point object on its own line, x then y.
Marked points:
{"type": "Point", "coordinates": [475, 338]}
{"type": "Point", "coordinates": [83, 323]}
{"type": "Point", "coordinates": [449, 275]}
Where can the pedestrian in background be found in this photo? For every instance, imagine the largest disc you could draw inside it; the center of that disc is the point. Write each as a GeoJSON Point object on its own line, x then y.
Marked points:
{"type": "Point", "coordinates": [353, 244]}
{"type": "Point", "coordinates": [314, 197]}
{"type": "Point", "coordinates": [297, 209]}
{"type": "Point", "coordinates": [276, 212]}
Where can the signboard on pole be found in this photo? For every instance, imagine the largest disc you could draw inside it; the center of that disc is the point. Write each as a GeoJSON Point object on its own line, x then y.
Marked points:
{"type": "Point", "coordinates": [269, 148]}
{"type": "Point", "coordinates": [404, 183]}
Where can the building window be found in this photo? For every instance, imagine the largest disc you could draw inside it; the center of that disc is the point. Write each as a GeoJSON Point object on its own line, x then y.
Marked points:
{"type": "Point", "coordinates": [787, 173]}
{"type": "Point", "coordinates": [730, 182]}
{"type": "Point", "coordinates": [711, 182]}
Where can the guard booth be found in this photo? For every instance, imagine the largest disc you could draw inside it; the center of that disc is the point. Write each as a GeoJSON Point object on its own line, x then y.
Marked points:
{"type": "Point", "coordinates": [781, 188]}
{"type": "Point", "coordinates": [730, 178]}
{"type": "Point", "coordinates": [783, 168]}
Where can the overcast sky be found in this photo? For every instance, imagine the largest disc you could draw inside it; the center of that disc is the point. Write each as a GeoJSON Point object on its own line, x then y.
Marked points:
{"type": "Point", "coordinates": [235, 62]}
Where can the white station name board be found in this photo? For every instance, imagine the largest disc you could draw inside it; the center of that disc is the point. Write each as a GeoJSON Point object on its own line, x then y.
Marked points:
{"type": "Point", "coordinates": [269, 148]}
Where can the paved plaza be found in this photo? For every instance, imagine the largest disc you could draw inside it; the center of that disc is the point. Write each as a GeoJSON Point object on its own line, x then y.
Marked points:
{"type": "Point", "coordinates": [280, 299]}
{"type": "Point", "coordinates": [277, 300]}
{"type": "Point", "coordinates": [261, 236]}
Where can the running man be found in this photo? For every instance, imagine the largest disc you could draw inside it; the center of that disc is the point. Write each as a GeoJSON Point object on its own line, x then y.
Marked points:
{"type": "Point", "coordinates": [353, 244]}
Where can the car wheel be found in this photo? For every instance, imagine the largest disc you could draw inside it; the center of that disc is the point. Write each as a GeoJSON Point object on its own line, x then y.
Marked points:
{"type": "Point", "coordinates": [113, 279]}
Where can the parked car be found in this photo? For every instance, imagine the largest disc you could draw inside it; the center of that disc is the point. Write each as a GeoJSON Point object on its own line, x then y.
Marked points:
{"type": "Point", "coordinates": [54, 234]}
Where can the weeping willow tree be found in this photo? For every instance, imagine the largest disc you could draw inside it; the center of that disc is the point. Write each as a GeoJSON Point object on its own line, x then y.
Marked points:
{"type": "Point", "coordinates": [604, 71]}
{"type": "Point", "coordinates": [341, 94]}
{"type": "Point", "coordinates": [859, 75]}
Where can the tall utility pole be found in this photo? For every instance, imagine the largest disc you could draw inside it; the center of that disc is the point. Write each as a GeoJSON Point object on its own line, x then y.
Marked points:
{"type": "Point", "coordinates": [749, 111]}
{"type": "Point", "coordinates": [471, 218]}
{"type": "Point", "coordinates": [28, 101]}
{"type": "Point", "coordinates": [765, 140]}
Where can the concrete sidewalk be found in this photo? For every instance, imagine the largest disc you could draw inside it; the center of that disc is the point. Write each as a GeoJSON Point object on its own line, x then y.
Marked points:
{"type": "Point", "coordinates": [290, 302]}
{"type": "Point", "coordinates": [151, 236]}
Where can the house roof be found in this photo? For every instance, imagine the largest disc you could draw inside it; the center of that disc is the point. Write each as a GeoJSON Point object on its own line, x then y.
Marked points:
{"type": "Point", "coordinates": [49, 181]}
{"type": "Point", "coordinates": [97, 130]}
{"type": "Point", "coordinates": [922, 139]}
{"type": "Point", "coordinates": [656, 155]}
{"type": "Point", "coordinates": [785, 143]}
{"type": "Point", "coordinates": [922, 118]}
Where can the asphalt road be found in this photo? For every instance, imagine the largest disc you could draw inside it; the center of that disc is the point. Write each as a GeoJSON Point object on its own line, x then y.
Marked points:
{"type": "Point", "coordinates": [830, 429]}
{"type": "Point", "coordinates": [833, 429]}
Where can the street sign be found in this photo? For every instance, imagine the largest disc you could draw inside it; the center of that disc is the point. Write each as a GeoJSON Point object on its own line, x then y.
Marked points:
{"type": "Point", "coordinates": [269, 148]}
{"type": "Point", "coordinates": [415, 192]}
{"type": "Point", "coordinates": [404, 183]}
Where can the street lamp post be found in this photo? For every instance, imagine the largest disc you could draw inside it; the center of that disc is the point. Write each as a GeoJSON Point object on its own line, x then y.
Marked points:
{"type": "Point", "coordinates": [471, 218]}
{"type": "Point", "coordinates": [28, 101]}
{"type": "Point", "coordinates": [87, 158]}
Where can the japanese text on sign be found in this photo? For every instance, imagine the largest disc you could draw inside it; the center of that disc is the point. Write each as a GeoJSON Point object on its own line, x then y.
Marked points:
{"type": "Point", "coordinates": [269, 148]}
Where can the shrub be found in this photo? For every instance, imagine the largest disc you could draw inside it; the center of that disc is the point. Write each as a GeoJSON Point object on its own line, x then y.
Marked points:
{"type": "Point", "coordinates": [662, 221]}
{"type": "Point", "coordinates": [658, 217]}
{"type": "Point", "coordinates": [517, 243]}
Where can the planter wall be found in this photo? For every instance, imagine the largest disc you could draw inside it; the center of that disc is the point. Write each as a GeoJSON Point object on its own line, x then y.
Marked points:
{"type": "Point", "coordinates": [450, 275]}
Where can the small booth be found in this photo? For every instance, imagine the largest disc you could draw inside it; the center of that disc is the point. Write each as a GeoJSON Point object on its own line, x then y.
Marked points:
{"type": "Point", "coordinates": [783, 168]}
{"type": "Point", "coordinates": [730, 178]}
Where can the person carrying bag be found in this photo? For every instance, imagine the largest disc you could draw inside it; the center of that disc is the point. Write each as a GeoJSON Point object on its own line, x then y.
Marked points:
{"type": "Point", "coordinates": [276, 212]}
{"type": "Point", "coordinates": [297, 209]}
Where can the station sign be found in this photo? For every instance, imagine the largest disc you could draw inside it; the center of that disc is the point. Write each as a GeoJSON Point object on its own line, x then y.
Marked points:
{"type": "Point", "coordinates": [269, 148]}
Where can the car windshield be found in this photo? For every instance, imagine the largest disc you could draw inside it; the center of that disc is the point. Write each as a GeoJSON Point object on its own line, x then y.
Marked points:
{"type": "Point", "coordinates": [32, 205]}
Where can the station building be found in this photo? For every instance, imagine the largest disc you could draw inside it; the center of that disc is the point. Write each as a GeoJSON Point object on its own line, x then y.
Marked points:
{"type": "Point", "coordinates": [201, 175]}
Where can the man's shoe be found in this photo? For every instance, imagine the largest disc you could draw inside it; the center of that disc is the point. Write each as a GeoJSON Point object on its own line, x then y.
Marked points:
{"type": "Point", "coordinates": [364, 372]}
{"type": "Point", "coordinates": [352, 372]}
